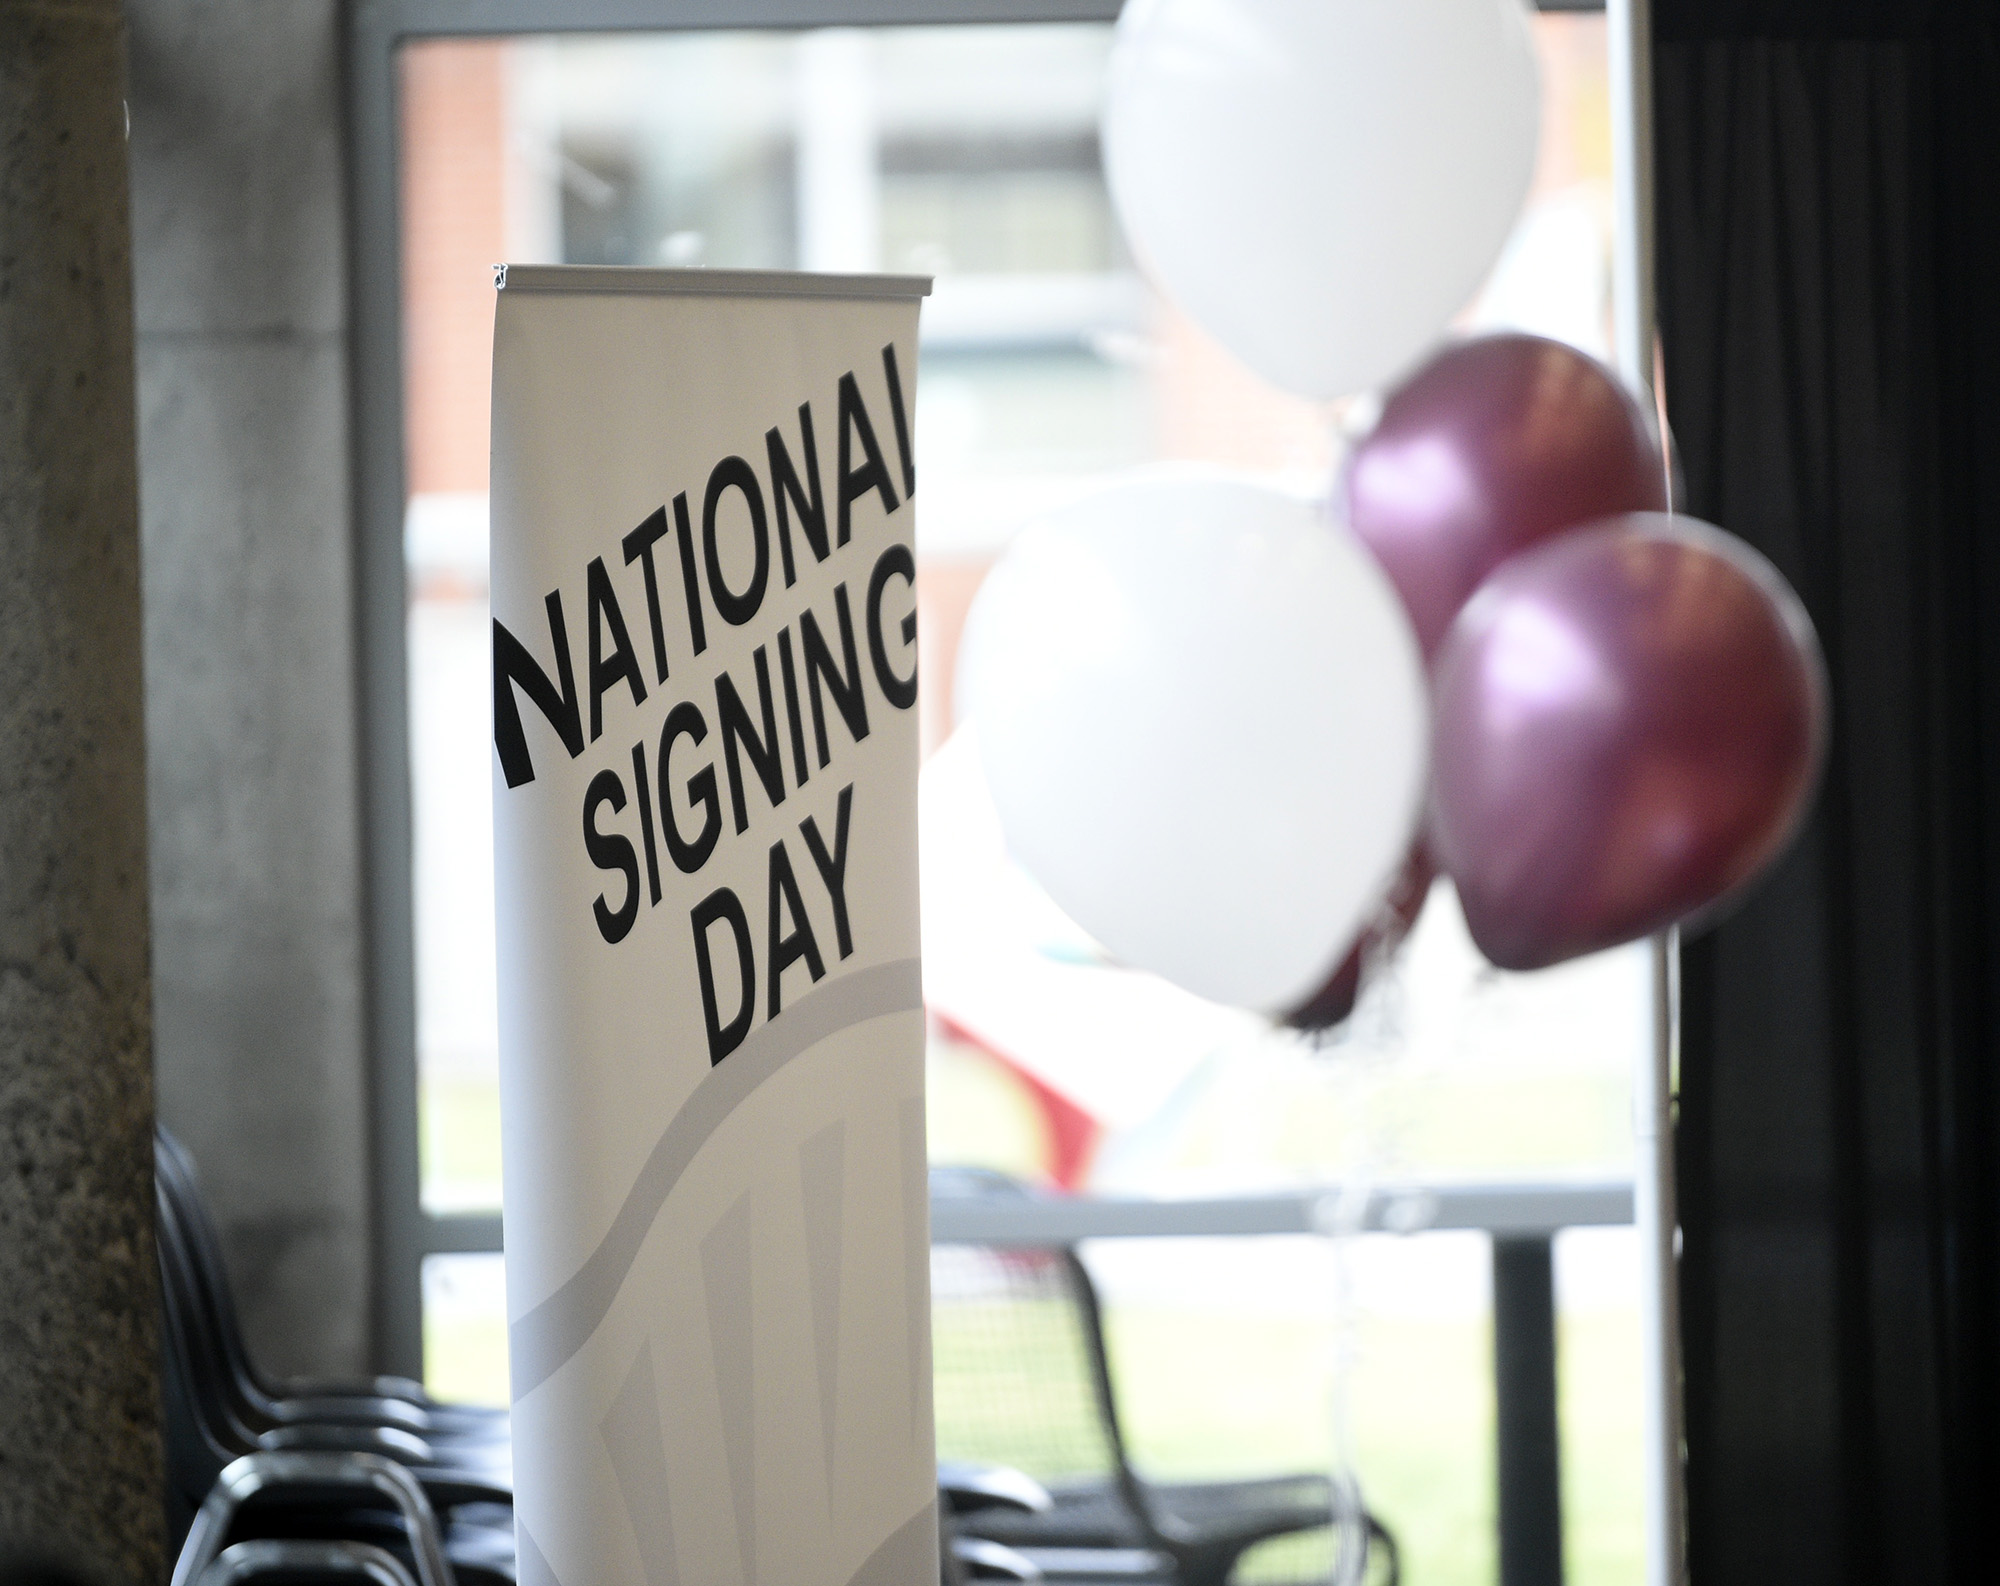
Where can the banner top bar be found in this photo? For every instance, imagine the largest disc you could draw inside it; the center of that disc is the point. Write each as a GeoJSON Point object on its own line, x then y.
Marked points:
{"type": "Point", "coordinates": [631, 281]}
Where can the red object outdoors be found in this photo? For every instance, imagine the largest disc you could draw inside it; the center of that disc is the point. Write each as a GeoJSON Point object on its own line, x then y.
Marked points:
{"type": "Point", "coordinates": [1629, 723]}
{"type": "Point", "coordinates": [1491, 447]}
{"type": "Point", "coordinates": [1073, 1134]}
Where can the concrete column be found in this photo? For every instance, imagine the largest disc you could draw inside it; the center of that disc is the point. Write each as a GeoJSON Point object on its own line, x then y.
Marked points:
{"type": "Point", "coordinates": [80, 1464]}
{"type": "Point", "coordinates": [239, 269]}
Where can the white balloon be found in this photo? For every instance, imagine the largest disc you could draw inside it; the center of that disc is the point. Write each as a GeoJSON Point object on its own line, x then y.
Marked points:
{"type": "Point", "coordinates": [1203, 719]}
{"type": "Point", "coordinates": [1321, 184]}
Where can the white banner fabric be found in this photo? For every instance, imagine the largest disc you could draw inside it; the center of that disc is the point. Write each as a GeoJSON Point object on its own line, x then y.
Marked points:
{"type": "Point", "coordinates": [705, 848]}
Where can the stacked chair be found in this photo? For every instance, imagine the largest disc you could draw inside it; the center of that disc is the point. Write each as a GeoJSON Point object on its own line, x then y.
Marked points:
{"type": "Point", "coordinates": [1024, 1379]}
{"type": "Point", "coordinates": [229, 1426]}
{"type": "Point", "coordinates": [288, 1491]}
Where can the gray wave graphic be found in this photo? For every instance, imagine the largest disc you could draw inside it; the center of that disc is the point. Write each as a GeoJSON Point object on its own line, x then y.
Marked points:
{"type": "Point", "coordinates": [546, 1337]}
{"type": "Point", "coordinates": [908, 1558]}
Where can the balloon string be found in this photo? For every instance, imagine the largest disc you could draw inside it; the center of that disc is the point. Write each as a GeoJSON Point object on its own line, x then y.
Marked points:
{"type": "Point", "coordinates": [1350, 1526]}
{"type": "Point", "coordinates": [1359, 1050]}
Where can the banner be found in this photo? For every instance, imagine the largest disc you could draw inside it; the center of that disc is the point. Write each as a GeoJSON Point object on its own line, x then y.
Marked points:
{"type": "Point", "coordinates": [705, 849]}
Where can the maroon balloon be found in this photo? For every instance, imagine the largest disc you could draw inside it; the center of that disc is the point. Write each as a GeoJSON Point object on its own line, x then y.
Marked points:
{"type": "Point", "coordinates": [1628, 723]}
{"type": "Point", "coordinates": [1495, 444]}
{"type": "Point", "coordinates": [1335, 1000]}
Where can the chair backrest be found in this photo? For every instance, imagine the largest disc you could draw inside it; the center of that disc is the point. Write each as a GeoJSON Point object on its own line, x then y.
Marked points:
{"type": "Point", "coordinates": [1022, 1375]}
{"type": "Point", "coordinates": [1015, 1379]}
{"type": "Point", "coordinates": [256, 1398]}
{"type": "Point", "coordinates": [199, 1439]}
{"type": "Point", "coordinates": [208, 1273]}
{"type": "Point", "coordinates": [238, 1412]}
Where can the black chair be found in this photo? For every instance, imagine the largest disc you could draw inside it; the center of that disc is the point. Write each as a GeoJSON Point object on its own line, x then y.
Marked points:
{"type": "Point", "coordinates": [282, 1504]}
{"type": "Point", "coordinates": [328, 1499]}
{"type": "Point", "coordinates": [1023, 1379]}
{"type": "Point", "coordinates": [966, 1489]}
{"type": "Point", "coordinates": [230, 1405]}
{"type": "Point", "coordinates": [212, 1420]}
{"type": "Point", "coordinates": [385, 1401]}
{"type": "Point", "coordinates": [305, 1564]}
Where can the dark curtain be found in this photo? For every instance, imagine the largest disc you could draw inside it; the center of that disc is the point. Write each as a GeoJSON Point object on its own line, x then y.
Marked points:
{"type": "Point", "coordinates": [1829, 223]}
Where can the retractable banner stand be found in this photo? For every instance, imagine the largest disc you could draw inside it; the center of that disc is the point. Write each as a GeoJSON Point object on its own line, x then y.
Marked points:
{"type": "Point", "coordinates": [705, 836]}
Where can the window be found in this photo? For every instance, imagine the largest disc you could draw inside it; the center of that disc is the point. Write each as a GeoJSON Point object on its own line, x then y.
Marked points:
{"type": "Point", "coordinates": [970, 152]}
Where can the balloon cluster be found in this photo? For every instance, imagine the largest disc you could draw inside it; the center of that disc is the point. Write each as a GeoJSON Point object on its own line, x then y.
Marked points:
{"type": "Point", "coordinates": [1629, 708]}
{"type": "Point", "coordinates": [1237, 741]}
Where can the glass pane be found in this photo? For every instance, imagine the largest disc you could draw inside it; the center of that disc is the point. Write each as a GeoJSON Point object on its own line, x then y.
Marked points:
{"type": "Point", "coordinates": [465, 1328]}
{"type": "Point", "coordinates": [456, 197]}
